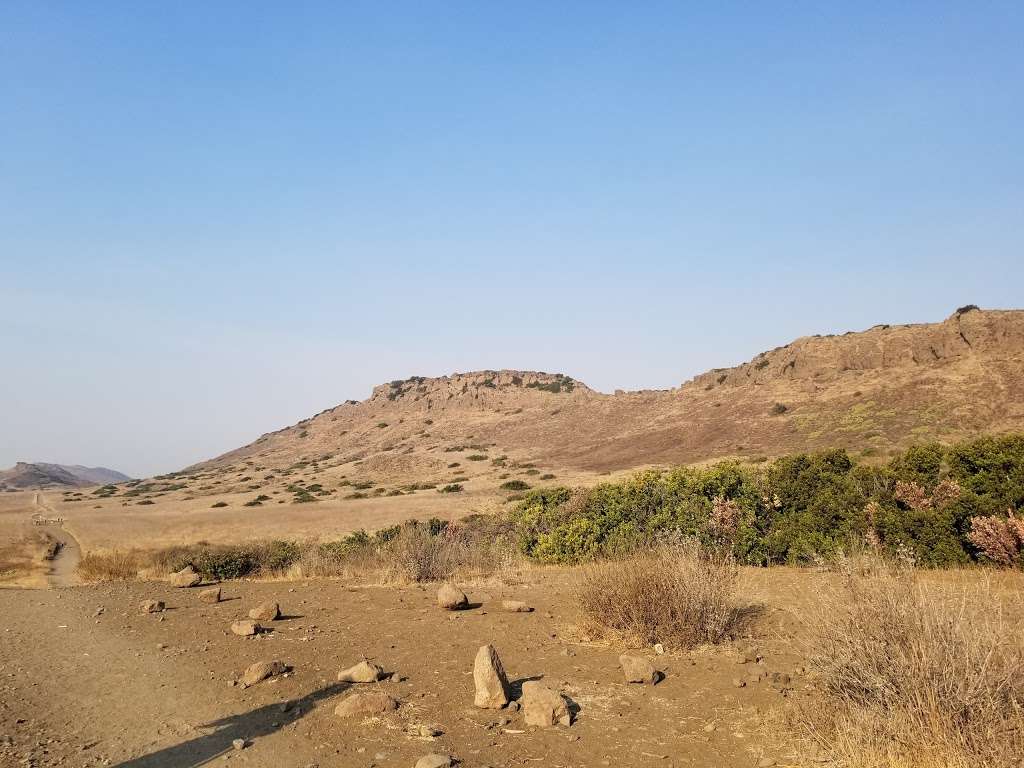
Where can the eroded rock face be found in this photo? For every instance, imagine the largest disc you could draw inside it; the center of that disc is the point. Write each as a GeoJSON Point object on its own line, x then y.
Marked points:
{"type": "Point", "coordinates": [262, 670]}
{"type": "Point", "coordinates": [246, 628]}
{"type": "Point", "coordinates": [211, 595]}
{"type": "Point", "coordinates": [266, 612]}
{"type": "Point", "coordinates": [363, 672]}
{"type": "Point", "coordinates": [544, 707]}
{"type": "Point", "coordinates": [637, 669]}
{"type": "Point", "coordinates": [152, 606]}
{"type": "Point", "coordinates": [492, 691]}
{"type": "Point", "coordinates": [366, 704]}
{"type": "Point", "coordinates": [451, 598]}
{"type": "Point", "coordinates": [186, 577]}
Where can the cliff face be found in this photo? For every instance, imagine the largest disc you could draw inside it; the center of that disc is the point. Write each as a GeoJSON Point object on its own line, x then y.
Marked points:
{"type": "Point", "coordinates": [871, 392]}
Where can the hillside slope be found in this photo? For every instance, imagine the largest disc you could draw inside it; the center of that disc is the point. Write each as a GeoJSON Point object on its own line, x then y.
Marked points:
{"type": "Point", "coordinates": [872, 391]}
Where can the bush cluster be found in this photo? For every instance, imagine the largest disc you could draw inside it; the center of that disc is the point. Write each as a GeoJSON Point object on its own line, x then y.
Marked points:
{"type": "Point", "coordinates": [793, 510]}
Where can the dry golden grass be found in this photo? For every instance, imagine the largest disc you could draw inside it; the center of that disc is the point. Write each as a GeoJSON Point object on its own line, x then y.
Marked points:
{"type": "Point", "coordinates": [118, 565]}
{"type": "Point", "coordinates": [675, 593]}
{"type": "Point", "coordinates": [916, 671]}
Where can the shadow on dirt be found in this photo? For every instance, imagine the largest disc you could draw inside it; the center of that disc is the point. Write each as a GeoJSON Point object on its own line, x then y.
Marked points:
{"type": "Point", "coordinates": [248, 726]}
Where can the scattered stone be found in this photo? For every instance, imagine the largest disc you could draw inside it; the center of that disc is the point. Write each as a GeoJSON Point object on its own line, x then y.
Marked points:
{"type": "Point", "coordinates": [434, 761]}
{"type": "Point", "coordinates": [659, 649]}
{"type": "Point", "coordinates": [366, 704]}
{"type": "Point", "coordinates": [544, 707]}
{"type": "Point", "coordinates": [238, 744]}
{"type": "Point", "coordinates": [152, 606]}
{"type": "Point", "coordinates": [515, 606]}
{"type": "Point", "coordinates": [186, 577]}
{"type": "Point", "coordinates": [451, 598]}
{"type": "Point", "coordinates": [637, 669]}
{"type": "Point", "coordinates": [261, 670]}
{"type": "Point", "coordinates": [750, 654]}
{"type": "Point", "coordinates": [490, 680]}
{"type": "Point", "coordinates": [766, 762]}
{"type": "Point", "coordinates": [211, 595]}
{"type": "Point", "coordinates": [266, 612]}
{"type": "Point", "coordinates": [246, 628]}
{"type": "Point", "coordinates": [424, 730]}
{"type": "Point", "coordinates": [363, 672]}
{"type": "Point", "coordinates": [739, 682]}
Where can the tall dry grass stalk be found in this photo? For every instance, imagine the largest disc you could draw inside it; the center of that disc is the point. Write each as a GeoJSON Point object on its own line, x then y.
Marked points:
{"type": "Point", "coordinates": [916, 670]}
{"type": "Point", "coordinates": [675, 593]}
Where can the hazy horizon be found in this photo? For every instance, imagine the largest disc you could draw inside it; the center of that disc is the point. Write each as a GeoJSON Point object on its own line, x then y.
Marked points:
{"type": "Point", "coordinates": [217, 221]}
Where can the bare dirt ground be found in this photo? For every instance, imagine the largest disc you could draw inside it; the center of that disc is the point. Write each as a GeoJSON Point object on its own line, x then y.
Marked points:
{"type": "Point", "coordinates": [86, 679]}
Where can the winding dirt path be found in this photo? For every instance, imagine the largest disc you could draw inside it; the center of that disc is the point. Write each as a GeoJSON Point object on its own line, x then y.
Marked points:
{"type": "Point", "coordinates": [64, 563]}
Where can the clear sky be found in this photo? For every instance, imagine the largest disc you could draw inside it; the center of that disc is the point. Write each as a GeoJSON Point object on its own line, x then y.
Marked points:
{"type": "Point", "coordinates": [217, 218]}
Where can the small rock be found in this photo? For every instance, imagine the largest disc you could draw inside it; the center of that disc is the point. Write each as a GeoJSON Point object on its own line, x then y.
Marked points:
{"type": "Point", "coordinates": [261, 670]}
{"type": "Point", "coordinates": [544, 707]}
{"type": "Point", "coordinates": [370, 703]}
{"type": "Point", "coordinates": [637, 669]}
{"type": "Point", "coordinates": [489, 679]}
{"type": "Point", "coordinates": [659, 649]}
{"type": "Point", "coordinates": [515, 606]}
{"type": "Point", "coordinates": [152, 606]}
{"type": "Point", "coordinates": [238, 744]}
{"type": "Point", "coordinates": [434, 761]}
{"type": "Point", "coordinates": [186, 577]}
{"type": "Point", "coordinates": [766, 762]}
{"type": "Point", "coordinates": [363, 672]}
{"type": "Point", "coordinates": [425, 730]}
{"type": "Point", "coordinates": [451, 598]}
{"type": "Point", "coordinates": [266, 612]}
{"type": "Point", "coordinates": [246, 627]}
{"type": "Point", "coordinates": [739, 682]}
{"type": "Point", "coordinates": [211, 595]}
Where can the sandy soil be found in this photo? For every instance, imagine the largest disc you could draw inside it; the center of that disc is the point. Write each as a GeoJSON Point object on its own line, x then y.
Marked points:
{"type": "Point", "coordinates": [87, 680]}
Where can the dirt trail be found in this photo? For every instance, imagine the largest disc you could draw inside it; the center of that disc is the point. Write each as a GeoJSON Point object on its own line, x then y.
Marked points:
{"type": "Point", "coordinates": [64, 563]}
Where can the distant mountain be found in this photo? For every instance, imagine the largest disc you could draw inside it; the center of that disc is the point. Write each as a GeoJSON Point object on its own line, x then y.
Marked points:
{"type": "Point", "coordinates": [40, 475]}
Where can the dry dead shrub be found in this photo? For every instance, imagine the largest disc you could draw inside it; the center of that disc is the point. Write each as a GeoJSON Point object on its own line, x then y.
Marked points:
{"type": "Point", "coordinates": [676, 593]}
{"type": "Point", "coordinates": [915, 670]}
{"type": "Point", "coordinates": [116, 565]}
{"type": "Point", "coordinates": [1001, 540]}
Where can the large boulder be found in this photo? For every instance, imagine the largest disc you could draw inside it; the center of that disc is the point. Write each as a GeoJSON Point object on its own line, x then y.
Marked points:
{"type": "Point", "coordinates": [366, 704]}
{"type": "Point", "coordinates": [363, 672]}
{"type": "Point", "coordinates": [211, 595]}
{"type": "Point", "coordinates": [261, 670]}
{"type": "Point", "coordinates": [152, 606]}
{"type": "Point", "coordinates": [489, 679]}
{"type": "Point", "coordinates": [451, 598]}
{"type": "Point", "coordinates": [544, 707]}
{"type": "Point", "coordinates": [186, 577]}
{"type": "Point", "coordinates": [637, 669]}
{"type": "Point", "coordinates": [246, 628]}
{"type": "Point", "coordinates": [266, 612]}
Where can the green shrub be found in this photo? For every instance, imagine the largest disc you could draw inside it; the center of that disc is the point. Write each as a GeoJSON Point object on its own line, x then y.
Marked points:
{"type": "Point", "coordinates": [450, 488]}
{"type": "Point", "coordinates": [515, 485]}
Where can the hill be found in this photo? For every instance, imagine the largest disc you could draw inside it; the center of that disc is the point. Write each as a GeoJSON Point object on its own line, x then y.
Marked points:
{"type": "Point", "coordinates": [871, 392]}
{"type": "Point", "coordinates": [41, 475]}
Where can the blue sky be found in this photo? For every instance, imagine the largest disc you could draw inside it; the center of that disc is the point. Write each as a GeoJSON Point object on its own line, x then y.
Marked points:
{"type": "Point", "coordinates": [219, 218]}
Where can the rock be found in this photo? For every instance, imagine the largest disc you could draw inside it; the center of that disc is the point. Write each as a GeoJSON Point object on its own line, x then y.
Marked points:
{"type": "Point", "coordinates": [750, 654]}
{"type": "Point", "coordinates": [211, 595]}
{"type": "Point", "coordinates": [515, 606]}
{"type": "Point", "coordinates": [450, 598]}
{"type": "Point", "coordinates": [637, 669]}
{"type": "Point", "coordinates": [152, 606]}
{"type": "Point", "coordinates": [186, 577]}
{"type": "Point", "coordinates": [490, 680]}
{"type": "Point", "coordinates": [366, 704]}
{"type": "Point", "coordinates": [246, 627]}
{"type": "Point", "coordinates": [238, 744]}
{"type": "Point", "coordinates": [739, 682]}
{"type": "Point", "coordinates": [424, 730]}
{"type": "Point", "coordinates": [266, 612]}
{"type": "Point", "coordinates": [544, 707]}
{"type": "Point", "coordinates": [363, 672]}
{"type": "Point", "coordinates": [659, 649]}
{"type": "Point", "coordinates": [434, 761]}
{"type": "Point", "coordinates": [766, 762]}
{"type": "Point", "coordinates": [261, 670]}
